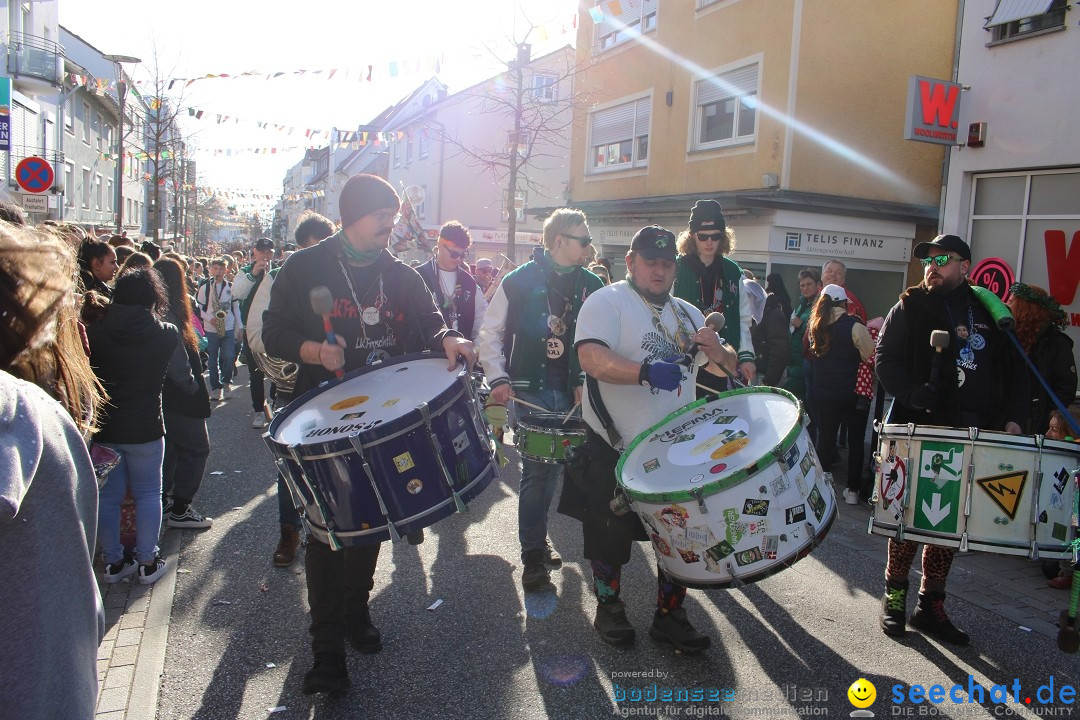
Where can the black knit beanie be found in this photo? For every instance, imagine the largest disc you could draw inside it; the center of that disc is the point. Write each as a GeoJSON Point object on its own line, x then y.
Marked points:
{"type": "Point", "coordinates": [364, 194]}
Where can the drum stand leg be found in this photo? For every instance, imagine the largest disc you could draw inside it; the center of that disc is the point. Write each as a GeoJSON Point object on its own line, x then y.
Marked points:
{"type": "Point", "coordinates": [358, 446]}
{"type": "Point", "coordinates": [426, 414]}
{"type": "Point", "coordinates": [1036, 493]}
{"type": "Point", "coordinates": [331, 533]}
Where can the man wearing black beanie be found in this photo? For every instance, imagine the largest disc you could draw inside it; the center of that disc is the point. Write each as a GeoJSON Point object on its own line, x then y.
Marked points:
{"type": "Point", "coordinates": [381, 309]}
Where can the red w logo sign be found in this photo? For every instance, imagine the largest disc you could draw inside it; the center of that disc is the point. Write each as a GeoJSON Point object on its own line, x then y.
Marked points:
{"type": "Point", "coordinates": [1062, 267]}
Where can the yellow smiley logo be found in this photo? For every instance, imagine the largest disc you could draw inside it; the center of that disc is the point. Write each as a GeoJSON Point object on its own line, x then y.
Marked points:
{"type": "Point", "coordinates": [862, 693]}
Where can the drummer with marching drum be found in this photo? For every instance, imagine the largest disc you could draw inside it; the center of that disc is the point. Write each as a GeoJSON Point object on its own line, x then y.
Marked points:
{"type": "Point", "coordinates": [977, 381]}
{"type": "Point", "coordinates": [379, 308]}
{"type": "Point", "coordinates": [640, 348]}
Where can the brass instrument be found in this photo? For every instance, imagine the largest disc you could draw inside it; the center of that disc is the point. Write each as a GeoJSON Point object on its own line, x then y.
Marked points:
{"type": "Point", "coordinates": [219, 312]}
{"type": "Point", "coordinates": [281, 372]}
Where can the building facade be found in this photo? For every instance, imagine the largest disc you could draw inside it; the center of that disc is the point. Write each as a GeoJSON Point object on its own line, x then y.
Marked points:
{"type": "Point", "coordinates": [790, 113]}
{"type": "Point", "coordinates": [1017, 197]}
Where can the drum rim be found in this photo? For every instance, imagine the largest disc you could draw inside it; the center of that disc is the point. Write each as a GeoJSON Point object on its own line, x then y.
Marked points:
{"type": "Point", "coordinates": [407, 418]}
{"type": "Point", "coordinates": [899, 431]}
{"type": "Point", "coordinates": [724, 483]}
{"type": "Point", "coordinates": [578, 428]}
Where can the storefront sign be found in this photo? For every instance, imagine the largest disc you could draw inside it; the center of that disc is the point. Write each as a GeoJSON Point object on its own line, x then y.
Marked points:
{"type": "Point", "coordinates": [995, 275]}
{"type": "Point", "coordinates": [613, 235]}
{"type": "Point", "coordinates": [840, 245]}
{"type": "Point", "coordinates": [933, 110]}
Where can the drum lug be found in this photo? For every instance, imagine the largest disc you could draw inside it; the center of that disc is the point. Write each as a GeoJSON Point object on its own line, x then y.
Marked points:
{"type": "Point", "coordinates": [900, 532]}
{"type": "Point", "coordinates": [1033, 554]}
{"type": "Point", "coordinates": [735, 581]}
{"type": "Point", "coordinates": [870, 524]}
{"type": "Point", "coordinates": [331, 533]}
{"type": "Point", "coordinates": [354, 440]}
{"type": "Point", "coordinates": [425, 412]}
{"type": "Point", "coordinates": [283, 468]}
{"type": "Point", "coordinates": [964, 542]}
{"type": "Point", "coordinates": [699, 495]}
{"type": "Point", "coordinates": [877, 426]}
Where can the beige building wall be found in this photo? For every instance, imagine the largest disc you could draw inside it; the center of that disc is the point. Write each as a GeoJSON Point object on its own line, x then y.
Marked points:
{"type": "Point", "coordinates": [852, 66]}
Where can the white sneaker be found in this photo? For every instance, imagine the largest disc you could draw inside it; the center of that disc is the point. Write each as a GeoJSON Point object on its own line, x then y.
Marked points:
{"type": "Point", "coordinates": [258, 420]}
{"type": "Point", "coordinates": [851, 497]}
{"type": "Point", "coordinates": [218, 395]}
{"type": "Point", "coordinates": [149, 574]}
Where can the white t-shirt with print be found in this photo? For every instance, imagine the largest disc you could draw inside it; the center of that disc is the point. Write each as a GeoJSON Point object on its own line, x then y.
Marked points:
{"type": "Point", "coordinates": [618, 317]}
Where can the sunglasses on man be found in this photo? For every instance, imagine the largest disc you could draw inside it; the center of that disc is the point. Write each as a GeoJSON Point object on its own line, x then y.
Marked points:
{"type": "Point", "coordinates": [585, 240]}
{"type": "Point", "coordinates": [455, 254]}
{"type": "Point", "coordinates": [710, 237]}
{"type": "Point", "coordinates": [939, 260]}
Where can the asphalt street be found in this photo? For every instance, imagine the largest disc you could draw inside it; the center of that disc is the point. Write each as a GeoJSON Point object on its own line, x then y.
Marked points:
{"type": "Point", "coordinates": [789, 646]}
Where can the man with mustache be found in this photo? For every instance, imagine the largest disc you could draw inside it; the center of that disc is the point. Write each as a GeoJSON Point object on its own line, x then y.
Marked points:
{"type": "Point", "coordinates": [381, 309]}
{"type": "Point", "coordinates": [978, 381]}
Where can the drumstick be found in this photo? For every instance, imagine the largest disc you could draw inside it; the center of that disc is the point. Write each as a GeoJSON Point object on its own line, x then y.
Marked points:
{"type": "Point", "coordinates": [529, 404]}
{"type": "Point", "coordinates": [576, 406]}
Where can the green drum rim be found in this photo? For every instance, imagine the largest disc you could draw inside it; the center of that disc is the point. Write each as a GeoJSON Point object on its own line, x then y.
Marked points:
{"type": "Point", "coordinates": [722, 484]}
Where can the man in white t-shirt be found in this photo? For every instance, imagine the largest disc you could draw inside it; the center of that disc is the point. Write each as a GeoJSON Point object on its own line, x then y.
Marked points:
{"type": "Point", "coordinates": [460, 301]}
{"type": "Point", "coordinates": [640, 348]}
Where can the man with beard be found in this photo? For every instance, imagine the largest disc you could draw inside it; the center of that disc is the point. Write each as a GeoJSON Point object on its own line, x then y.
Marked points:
{"type": "Point", "coordinates": [977, 381]}
{"type": "Point", "coordinates": [381, 309]}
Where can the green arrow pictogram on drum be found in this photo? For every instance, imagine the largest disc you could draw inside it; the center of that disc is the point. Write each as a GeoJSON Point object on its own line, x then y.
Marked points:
{"type": "Point", "coordinates": [937, 492]}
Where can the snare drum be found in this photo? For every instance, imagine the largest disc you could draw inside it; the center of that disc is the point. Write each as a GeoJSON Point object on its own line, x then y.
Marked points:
{"type": "Point", "coordinates": [544, 437]}
{"type": "Point", "coordinates": [729, 490]}
{"type": "Point", "coordinates": [384, 451]}
{"type": "Point", "coordinates": [975, 490]}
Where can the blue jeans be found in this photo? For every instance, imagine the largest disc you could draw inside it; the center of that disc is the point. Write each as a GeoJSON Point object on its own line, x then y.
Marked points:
{"type": "Point", "coordinates": [539, 481]}
{"type": "Point", "coordinates": [222, 352]}
{"type": "Point", "coordinates": [140, 467]}
{"type": "Point", "coordinates": [287, 512]}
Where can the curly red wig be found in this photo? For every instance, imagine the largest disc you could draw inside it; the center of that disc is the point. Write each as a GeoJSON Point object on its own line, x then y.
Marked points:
{"type": "Point", "coordinates": [1031, 318]}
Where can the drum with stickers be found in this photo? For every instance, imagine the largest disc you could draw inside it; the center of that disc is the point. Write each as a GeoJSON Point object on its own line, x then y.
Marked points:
{"type": "Point", "coordinates": [384, 451]}
{"type": "Point", "coordinates": [730, 490]}
{"type": "Point", "coordinates": [975, 490]}
{"type": "Point", "coordinates": [546, 437]}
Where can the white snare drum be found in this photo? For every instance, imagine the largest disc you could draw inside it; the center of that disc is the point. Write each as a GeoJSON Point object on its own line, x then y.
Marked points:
{"type": "Point", "coordinates": [730, 490]}
{"type": "Point", "coordinates": [976, 490]}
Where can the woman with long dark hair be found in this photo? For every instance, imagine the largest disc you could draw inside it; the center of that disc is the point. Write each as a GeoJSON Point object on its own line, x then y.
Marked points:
{"type": "Point", "coordinates": [838, 344]}
{"type": "Point", "coordinates": [97, 266]}
{"type": "Point", "coordinates": [131, 350]}
{"type": "Point", "coordinates": [187, 444]}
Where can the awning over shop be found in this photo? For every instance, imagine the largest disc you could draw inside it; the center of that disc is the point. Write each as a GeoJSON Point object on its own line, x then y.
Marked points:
{"type": "Point", "coordinates": [1008, 11]}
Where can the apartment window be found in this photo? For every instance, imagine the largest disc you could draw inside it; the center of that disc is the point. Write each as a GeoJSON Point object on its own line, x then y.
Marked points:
{"type": "Point", "coordinates": [726, 108]}
{"type": "Point", "coordinates": [545, 87]}
{"type": "Point", "coordinates": [97, 192]}
{"type": "Point", "coordinates": [1017, 18]}
{"type": "Point", "coordinates": [109, 195]}
{"type": "Point", "coordinates": [96, 128]}
{"type": "Point", "coordinates": [619, 136]}
{"type": "Point", "coordinates": [423, 145]}
{"type": "Point", "coordinates": [86, 188]}
{"type": "Point", "coordinates": [408, 150]}
{"type": "Point", "coordinates": [128, 212]}
{"type": "Point", "coordinates": [519, 206]}
{"type": "Point", "coordinates": [69, 120]}
{"type": "Point", "coordinates": [620, 21]}
{"type": "Point", "coordinates": [397, 154]}
{"type": "Point", "coordinates": [69, 185]}
{"type": "Point", "coordinates": [86, 123]}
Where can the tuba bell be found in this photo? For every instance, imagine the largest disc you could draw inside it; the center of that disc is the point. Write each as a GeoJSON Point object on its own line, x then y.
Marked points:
{"type": "Point", "coordinates": [281, 372]}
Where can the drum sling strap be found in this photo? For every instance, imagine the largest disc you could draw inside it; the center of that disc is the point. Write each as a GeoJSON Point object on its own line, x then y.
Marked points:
{"type": "Point", "coordinates": [597, 403]}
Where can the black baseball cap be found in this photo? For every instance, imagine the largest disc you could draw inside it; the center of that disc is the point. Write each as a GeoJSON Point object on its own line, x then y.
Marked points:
{"type": "Point", "coordinates": [654, 242]}
{"type": "Point", "coordinates": [264, 244]}
{"type": "Point", "coordinates": [947, 243]}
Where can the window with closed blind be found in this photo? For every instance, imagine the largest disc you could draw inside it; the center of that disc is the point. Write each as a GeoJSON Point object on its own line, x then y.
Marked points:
{"type": "Point", "coordinates": [619, 136]}
{"type": "Point", "coordinates": [726, 108]}
{"type": "Point", "coordinates": [620, 20]}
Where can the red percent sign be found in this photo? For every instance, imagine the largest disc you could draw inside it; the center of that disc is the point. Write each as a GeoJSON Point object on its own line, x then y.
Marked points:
{"type": "Point", "coordinates": [995, 275]}
{"type": "Point", "coordinates": [34, 175]}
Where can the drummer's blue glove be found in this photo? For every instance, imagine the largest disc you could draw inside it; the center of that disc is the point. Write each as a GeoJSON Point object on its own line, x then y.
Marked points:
{"type": "Point", "coordinates": [664, 374]}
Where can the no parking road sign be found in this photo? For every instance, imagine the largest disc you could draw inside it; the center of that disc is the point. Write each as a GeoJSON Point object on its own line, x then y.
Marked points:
{"type": "Point", "coordinates": [34, 175]}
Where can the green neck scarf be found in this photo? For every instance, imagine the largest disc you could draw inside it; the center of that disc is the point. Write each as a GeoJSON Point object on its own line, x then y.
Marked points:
{"type": "Point", "coordinates": [561, 269]}
{"type": "Point", "coordinates": [361, 256]}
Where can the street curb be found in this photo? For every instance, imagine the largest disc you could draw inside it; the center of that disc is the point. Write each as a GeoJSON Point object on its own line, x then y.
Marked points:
{"type": "Point", "coordinates": [146, 687]}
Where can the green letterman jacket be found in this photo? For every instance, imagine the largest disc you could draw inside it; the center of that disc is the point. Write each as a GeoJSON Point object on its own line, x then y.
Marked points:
{"type": "Point", "coordinates": [512, 339]}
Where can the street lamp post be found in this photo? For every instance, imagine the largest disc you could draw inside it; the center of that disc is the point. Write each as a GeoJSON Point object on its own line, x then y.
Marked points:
{"type": "Point", "coordinates": [121, 91]}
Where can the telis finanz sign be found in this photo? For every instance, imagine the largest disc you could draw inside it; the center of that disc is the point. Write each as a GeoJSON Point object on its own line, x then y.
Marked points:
{"type": "Point", "coordinates": [933, 110]}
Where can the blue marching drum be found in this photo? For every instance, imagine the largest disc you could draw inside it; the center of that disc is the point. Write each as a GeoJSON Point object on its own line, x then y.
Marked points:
{"type": "Point", "coordinates": [384, 451]}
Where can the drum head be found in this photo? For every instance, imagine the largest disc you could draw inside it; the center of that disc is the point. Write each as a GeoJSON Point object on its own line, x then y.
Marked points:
{"type": "Point", "coordinates": [713, 445]}
{"type": "Point", "coordinates": [376, 396]}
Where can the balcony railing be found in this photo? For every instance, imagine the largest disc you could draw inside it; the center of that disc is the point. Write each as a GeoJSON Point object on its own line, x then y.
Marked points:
{"type": "Point", "coordinates": [33, 56]}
